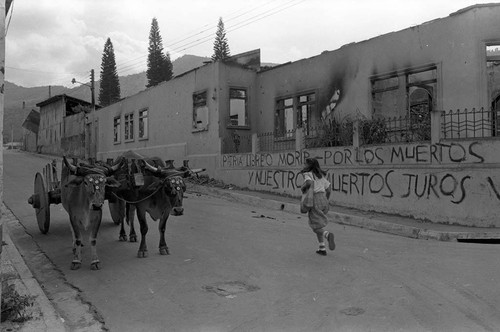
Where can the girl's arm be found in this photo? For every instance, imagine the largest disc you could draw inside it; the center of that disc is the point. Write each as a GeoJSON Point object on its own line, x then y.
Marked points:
{"type": "Point", "coordinates": [306, 185]}
{"type": "Point", "coordinates": [328, 191]}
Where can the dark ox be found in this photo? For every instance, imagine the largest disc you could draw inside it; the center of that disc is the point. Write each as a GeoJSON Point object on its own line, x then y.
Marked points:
{"type": "Point", "coordinates": [82, 196]}
{"type": "Point", "coordinates": [159, 196]}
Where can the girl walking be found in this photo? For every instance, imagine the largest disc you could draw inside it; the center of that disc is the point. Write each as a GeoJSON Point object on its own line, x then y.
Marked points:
{"type": "Point", "coordinates": [315, 176]}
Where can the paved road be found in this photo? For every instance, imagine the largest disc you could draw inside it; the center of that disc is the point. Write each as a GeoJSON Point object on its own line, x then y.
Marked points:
{"type": "Point", "coordinates": [240, 268]}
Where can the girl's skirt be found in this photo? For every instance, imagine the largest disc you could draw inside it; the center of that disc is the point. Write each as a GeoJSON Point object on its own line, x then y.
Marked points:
{"type": "Point", "coordinates": [317, 215]}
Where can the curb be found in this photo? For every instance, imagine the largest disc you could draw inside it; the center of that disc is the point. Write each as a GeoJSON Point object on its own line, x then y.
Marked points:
{"type": "Point", "coordinates": [361, 220]}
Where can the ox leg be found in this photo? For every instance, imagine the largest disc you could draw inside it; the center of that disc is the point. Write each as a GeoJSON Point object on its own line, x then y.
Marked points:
{"type": "Point", "coordinates": [143, 248]}
{"type": "Point", "coordinates": [123, 234]}
{"type": "Point", "coordinates": [162, 225]}
{"type": "Point", "coordinates": [130, 221]}
{"type": "Point", "coordinates": [77, 246]}
{"type": "Point", "coordinates": [94, 262]}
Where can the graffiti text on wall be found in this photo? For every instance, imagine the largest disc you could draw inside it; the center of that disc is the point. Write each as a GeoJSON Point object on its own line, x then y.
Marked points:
{"type": "Point", "coordinates": [428, 186]}
{"type": "Point", "coordinates": [400, 154]}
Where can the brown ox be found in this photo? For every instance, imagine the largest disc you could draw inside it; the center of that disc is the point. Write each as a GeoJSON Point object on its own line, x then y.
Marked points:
{"type": "Point", "coordinates": [82, 196]}
{"type": "Point", "coordinates": [159, 196]}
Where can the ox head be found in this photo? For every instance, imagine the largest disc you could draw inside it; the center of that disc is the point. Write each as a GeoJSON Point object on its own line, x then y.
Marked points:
{"type": "Point", "coordinates": [173, 186]}
{"type": "Point", "coordinates": [174, 189]}
{"type": "Point", "coordinates": [92, 182]}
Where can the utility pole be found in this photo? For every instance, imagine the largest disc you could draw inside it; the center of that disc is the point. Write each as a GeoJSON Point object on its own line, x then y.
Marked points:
{"type": "Point", "coordinates": [90, 123]}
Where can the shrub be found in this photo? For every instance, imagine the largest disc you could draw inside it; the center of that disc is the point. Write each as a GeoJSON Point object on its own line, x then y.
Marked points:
{"type": "Point", "coordinates": [14, 305]}
{"type": "Point", "coordinates": [373, 131]}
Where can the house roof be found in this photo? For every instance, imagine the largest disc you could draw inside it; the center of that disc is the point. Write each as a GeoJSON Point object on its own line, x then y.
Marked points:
{"type": "Point", "coordinates": [59, 97]}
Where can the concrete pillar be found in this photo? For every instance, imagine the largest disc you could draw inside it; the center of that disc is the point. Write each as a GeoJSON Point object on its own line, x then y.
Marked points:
{"type": "Point", "coordinates": [436, 126]}
{"type": "Point", "coordinates": [255, 143]}
{"type": "Point", "coordinates": [355, 134]}
{"type": "Point", "coordinates": [3, 13]}
{"type": "Point", "coordinates": [299, 139]}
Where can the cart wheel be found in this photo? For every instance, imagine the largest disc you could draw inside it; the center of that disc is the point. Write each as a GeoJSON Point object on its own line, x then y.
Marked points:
{"type": "Point", "coordinates": [42, 207]}
{"type": "Point", "coordinates": [117, 210]}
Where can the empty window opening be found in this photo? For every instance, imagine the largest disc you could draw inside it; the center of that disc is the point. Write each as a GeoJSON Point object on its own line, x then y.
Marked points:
{"type": "Point", "coordinates": [116, 129]}
{"type": "Point", "coordinates": [238, 107]}
{"type": "Point", "coordinates": [200, 111]}
{"type": "Point", "coordinates": [284, 117]}
{"type": "Point", "coordinates": [143, 124]}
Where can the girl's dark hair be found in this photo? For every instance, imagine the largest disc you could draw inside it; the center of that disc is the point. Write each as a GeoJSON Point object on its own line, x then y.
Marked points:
{"type": "Point", "coordinates": [312, 165]}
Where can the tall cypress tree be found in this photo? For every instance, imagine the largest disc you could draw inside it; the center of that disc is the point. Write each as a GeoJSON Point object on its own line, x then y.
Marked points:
{"type": "Point", "coordinates": [221, 47]}
{"type": "Point", "coordinates": [159, 64]}
{"type": "Point", "coordinates": [168, 68]}
{"type": "Point", "coordinates": [109, 91]}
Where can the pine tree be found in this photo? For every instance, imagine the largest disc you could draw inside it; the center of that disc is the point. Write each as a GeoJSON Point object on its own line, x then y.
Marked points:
{"type": "Point", "coordinates": [109, 91]}
{"type": "Point", "coordinates": [221, 47]}
{"type": "Point", "coordinates": [168, 68]}
{"type": "Point", "coordinates": [159, 64]}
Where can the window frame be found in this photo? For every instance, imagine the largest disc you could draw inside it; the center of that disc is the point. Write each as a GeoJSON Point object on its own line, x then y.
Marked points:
{"type": "Point", "coordinates": [311, 108]}
{"type": "Point", "coordinates": [246, 125]}
{"type": "Point", "coordinates": [128, 123]}
{"type": "Point", "coordinates": [140, 120]}
{"type": "Point", "coordinates": [277, 108]}
{"type": "Point", "coordinates": [404, 85]}
{"type": "Point", "coordinates": [117, 129]}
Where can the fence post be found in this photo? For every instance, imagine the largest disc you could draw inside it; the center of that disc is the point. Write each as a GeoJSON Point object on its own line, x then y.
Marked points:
{"type": "Point", "coordinates": [436, 126]}
{"type": "Point", "coordinates": [355, 134]}
{"type": "Point", "coordinates": [299, 139]}
{"type": "Point", "coordinates": [255, 143]}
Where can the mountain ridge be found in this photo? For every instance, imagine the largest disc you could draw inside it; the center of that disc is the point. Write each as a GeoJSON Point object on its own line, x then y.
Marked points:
{"type": "Point", "coordinates": [19, 100]}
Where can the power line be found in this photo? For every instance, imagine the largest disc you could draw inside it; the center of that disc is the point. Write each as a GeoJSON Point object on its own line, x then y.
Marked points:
{"type": "Point", "coordinates": [207, 38]}
{"type": "Point", "coordinates": [142, 62]}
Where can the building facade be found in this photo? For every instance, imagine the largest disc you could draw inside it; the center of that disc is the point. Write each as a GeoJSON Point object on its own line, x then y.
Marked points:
{"type": "Point", "coordinates": [63, 127]}
{"type": "Point", "coordinates": [253, 126]}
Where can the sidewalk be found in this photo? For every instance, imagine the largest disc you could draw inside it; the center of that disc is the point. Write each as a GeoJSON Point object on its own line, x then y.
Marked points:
{"type": "Point", "coordinates": [45, 317]}
{"type": "Point", "coordinates": [14, 271]}
{"type": "Point", "coordinates": [386, 223]}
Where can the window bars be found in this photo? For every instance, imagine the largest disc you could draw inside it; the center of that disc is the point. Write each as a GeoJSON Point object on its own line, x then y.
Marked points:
{"type": "Point", "coordinates": [236, 143]}
{"type": "Point", "coordinates": [329, 134]}
{"type": "Point", "coordinates": [277, 141]}
{"type": "Point", "coordinates": [395, 130]}
{"type": "Point", "coordinates": [475, 123]}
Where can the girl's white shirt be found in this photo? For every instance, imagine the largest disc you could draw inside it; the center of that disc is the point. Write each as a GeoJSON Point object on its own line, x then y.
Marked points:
{"type": "Point", "coordinates": [320, 185]}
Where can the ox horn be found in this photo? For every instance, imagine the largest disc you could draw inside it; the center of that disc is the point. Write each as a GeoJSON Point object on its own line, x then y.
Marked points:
{"type": "Point", "coordinates": [150, 167]}
{"type": "Point", "coordinates": [71, 167]}
{"type": "Point", "coordinates": [116, 167]}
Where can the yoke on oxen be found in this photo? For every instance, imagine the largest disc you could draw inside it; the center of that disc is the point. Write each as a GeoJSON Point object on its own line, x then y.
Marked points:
{"type": "Point", "coordinates": [148, 185]}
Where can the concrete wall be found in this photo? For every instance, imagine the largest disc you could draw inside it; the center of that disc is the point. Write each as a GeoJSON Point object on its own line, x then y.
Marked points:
{"type": "Point", "coordinates": [29, 140]}
{"type": "Point", "coordinates": [454, 182]}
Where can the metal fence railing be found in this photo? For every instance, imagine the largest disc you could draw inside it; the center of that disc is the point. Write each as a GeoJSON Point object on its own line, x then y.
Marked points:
{"type": "Point", "coordinates": [395, 130]}
{"type": "Point", "coordinates": [329, 134]}
{"type": "Point", "coordinates": [474, 123]}
{"type": "Point", "coordinates": [237, 144]}
{"type": "Point", "coordinates": [277, 141]}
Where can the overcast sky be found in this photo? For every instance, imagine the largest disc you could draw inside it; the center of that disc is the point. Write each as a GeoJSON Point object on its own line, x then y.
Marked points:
{"type": "Point", "coordinates": [51, 41]}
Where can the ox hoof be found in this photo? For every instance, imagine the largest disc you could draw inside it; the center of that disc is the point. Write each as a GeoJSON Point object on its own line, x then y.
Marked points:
{"type": "Point", "coordinates": [75, 265]}
{"type": "Point", "coordinates": [142, 254]}
{"type": "Point", "coordinates": [133, 238]}
{"type": "Point", "coordinates": [164, 251]}
{"type": "Point", "coordinates": [123, 238]}
{"type": "Point", "coordinates": [95, 265]}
